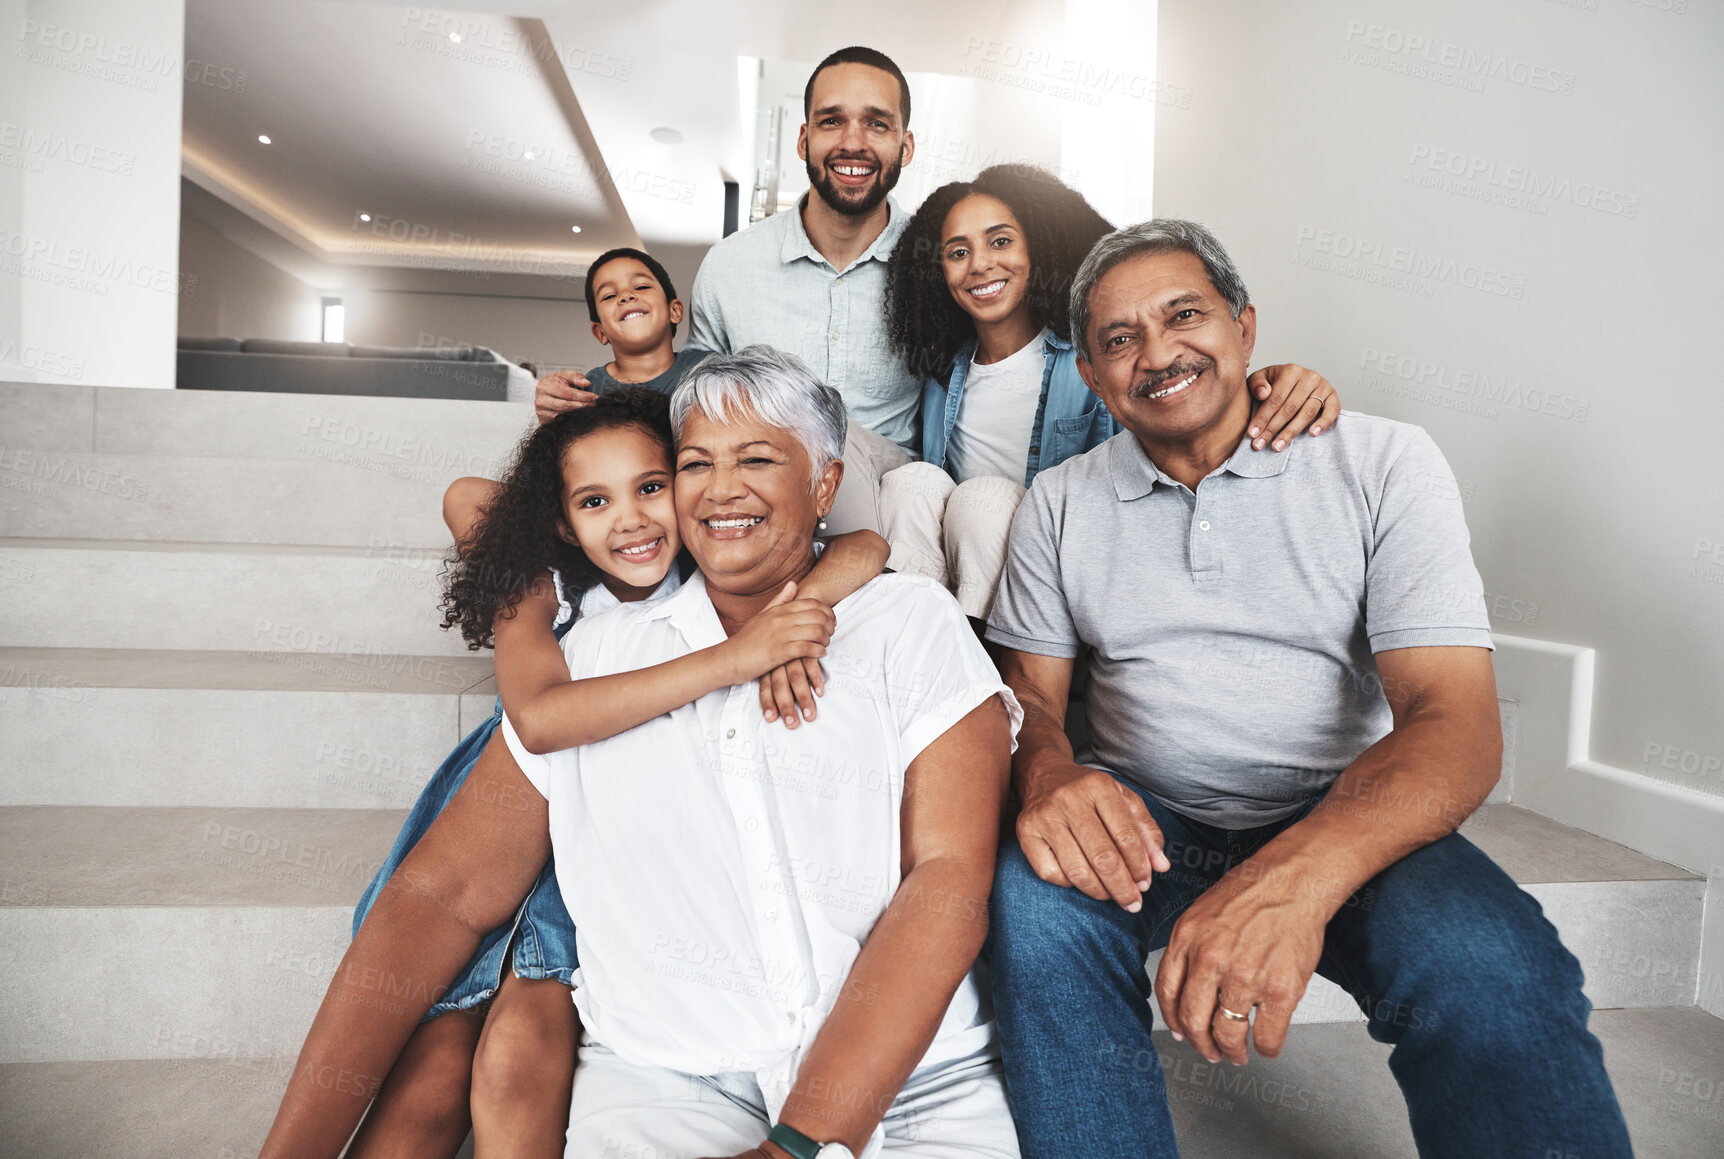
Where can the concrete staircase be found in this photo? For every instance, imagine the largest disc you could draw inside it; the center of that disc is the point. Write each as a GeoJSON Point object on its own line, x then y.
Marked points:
{"type": "Point", "coordinates": [222, 684]}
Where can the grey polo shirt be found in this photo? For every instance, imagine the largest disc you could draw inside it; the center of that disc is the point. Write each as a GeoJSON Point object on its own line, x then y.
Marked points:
{"type": "Point", "coordinates": [1233, 629]}
{"type": "Point", "coordinates": [769, 284]}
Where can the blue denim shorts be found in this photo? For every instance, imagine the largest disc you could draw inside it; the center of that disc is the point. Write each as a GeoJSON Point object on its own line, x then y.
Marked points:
{"type": "Point", "coordinates": [538, 943]}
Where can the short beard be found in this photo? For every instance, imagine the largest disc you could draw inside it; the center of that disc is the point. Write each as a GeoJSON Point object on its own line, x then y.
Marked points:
{"type": "Point", "coordinates": [838, 198]}
{"type": "Point", "coordinates": [1174, 373]}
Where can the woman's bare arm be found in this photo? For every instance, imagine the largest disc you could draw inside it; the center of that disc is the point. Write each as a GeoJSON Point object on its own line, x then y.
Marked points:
{"type": "Point", "coordinates": [901, 983]}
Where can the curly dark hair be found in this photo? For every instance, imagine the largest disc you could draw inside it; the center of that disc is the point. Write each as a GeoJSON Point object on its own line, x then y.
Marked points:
{"type": "Point", "coordinates": [515, 540]}
{"type": "Point", "coordinates": [924, 325]}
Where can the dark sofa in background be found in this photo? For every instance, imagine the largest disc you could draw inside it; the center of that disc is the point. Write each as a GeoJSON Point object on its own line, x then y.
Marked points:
{"type": "Point", "coordinates": [266, 364]}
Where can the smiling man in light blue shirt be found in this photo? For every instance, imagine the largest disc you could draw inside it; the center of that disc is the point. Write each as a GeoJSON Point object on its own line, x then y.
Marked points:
{"type": "Point", "coordinates": [813, 282]}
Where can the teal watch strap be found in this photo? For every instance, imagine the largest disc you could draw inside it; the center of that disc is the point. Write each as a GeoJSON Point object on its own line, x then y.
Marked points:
{"type": "Point", "coordinates": [799, 1145]}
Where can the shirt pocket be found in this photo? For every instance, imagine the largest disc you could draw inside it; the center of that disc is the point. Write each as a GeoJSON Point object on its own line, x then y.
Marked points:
{"type": "Point", "coordinates": [1074, 436]}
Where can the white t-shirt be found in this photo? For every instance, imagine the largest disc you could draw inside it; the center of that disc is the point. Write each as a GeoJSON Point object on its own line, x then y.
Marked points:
{"type": "Point", "coordinates": [723, 872]}
{"type": "Point", "coordinates": [996, 414]}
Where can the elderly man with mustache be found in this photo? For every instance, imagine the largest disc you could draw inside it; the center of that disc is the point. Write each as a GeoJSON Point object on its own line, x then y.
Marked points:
{"type": "Point", "coordinates": [1271, 786]}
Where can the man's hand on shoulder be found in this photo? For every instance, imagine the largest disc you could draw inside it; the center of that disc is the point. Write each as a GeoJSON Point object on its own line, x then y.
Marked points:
{"type": "Point", "coordinates": [1080, 827]}
{"type": "Point", "coordinates": [559, 391]}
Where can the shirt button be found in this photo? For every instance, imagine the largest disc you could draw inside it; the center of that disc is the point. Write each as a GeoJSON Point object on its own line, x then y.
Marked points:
{"type": "Point", "coordinates": [834, 335]}
{"type": "Point", "coordinates": [772, 915]}
{"type": "Point", "coordinates": [729, 733]}
{"type": "Point", "coordinates": [1203, 526]}
{"type": "Point", "coordinates": [790, 1017]}
{"type": "Point", "coordinates": [751, 824]}
{"type": "Point", "coordinates": [837, 281]}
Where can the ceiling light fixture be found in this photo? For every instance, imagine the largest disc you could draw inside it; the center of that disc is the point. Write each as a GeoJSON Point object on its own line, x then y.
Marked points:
{"type": "Point", "coordinates": [262, 139]}
{"type": "Point", "coordinates": [575, 228]}
{"type": "Point", "coordinates": [528, 155]}
{"type": "Point", "coordinates": [365, 217]}
{"type": "Point", "coordinates": [665, 135]}
{"type": "Point", "coordinates": [455, 36]}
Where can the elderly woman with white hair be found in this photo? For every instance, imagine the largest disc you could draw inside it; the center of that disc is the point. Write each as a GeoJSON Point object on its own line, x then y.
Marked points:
{"type": "Point", "coordinates": [778, 928]}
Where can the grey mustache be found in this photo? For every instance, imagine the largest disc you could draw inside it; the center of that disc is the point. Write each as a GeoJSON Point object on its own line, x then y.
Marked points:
{"type": "Point", "coordinates": [1172, 374]}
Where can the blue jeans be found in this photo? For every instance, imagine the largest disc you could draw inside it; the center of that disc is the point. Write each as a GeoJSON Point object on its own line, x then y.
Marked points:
{"type": "Point", "coordinates": [1451, 962]}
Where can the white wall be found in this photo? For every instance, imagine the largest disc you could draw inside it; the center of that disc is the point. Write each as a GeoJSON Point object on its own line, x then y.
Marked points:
{"type": "Point", "coordinates": [89, 204]}
{"type": "Point", "coordinates": [1572, 385]}
{"type": "Point", "coordinates": [239, 294]}
{"type": "Point", "coordinates": [548, 332]}
{"type": "Point", "coordinates": [1497, 219]}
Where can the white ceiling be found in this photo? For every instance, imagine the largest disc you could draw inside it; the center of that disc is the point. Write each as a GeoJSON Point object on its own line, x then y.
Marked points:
{"type": "Point", "coordinates": [373, 108]}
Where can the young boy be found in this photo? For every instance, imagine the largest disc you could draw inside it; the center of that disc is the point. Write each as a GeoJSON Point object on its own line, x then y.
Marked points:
{"type": "Point", "coordinates": [635, 311]}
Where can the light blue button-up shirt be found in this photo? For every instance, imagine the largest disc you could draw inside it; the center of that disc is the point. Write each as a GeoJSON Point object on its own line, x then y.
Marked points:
{"type": "Point", "coordinates": [769, 284]}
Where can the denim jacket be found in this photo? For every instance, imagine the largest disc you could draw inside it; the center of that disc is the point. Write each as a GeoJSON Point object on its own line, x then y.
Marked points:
{"type": "Point", "coordinates": [1069, 418]}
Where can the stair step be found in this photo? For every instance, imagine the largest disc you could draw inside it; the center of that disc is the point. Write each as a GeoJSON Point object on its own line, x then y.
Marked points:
{"type": "Point", "coordinates": [105, 726]}
{"type": "Point", "coordinates": [1631, 920]}
{"type": "Point", "coordinates": [173, 932]}
{"type": "Point", "coordinates": [1330, 1094]}
{"type": "Point", "coordinates": [312, 600]}
{"type": "Point", "coordinates": [461, 436]}
{"type": "Point", "coordinates": [265, 896]}
{"type": "Point", "coordinates": [145, 498]}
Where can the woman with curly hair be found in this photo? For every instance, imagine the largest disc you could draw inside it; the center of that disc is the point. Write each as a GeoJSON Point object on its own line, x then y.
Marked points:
{"type": "Point", "coordinates": [584, 517]}
{"type": "Point", "coordinates": [978, 301]}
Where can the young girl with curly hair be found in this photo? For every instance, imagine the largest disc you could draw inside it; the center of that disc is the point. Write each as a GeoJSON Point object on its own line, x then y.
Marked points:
{"type": "Point", "coordinates": [584, 517]}
{"type": "Point", "coordinates": [978, 302]}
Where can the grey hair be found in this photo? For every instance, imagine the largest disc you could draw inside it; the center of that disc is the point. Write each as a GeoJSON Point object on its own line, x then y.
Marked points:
{"type": "Point", "coordinates": [1160, 235]}
{"type": "Point", "coordinates": [777, 388]}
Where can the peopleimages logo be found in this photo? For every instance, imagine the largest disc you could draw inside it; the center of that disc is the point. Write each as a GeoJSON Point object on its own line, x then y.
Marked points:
{"type": "Point", "coordinates": [1428, 58]}
{"type": "Point", "coordinates": [1362, 256]}
{"type": "Point", "coordinates": [1513, 186]}
{"type": "Point", "coordinates": [1495, 390]}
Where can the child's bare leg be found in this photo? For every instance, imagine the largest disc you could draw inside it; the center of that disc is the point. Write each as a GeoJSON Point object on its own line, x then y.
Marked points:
{"type": "Point", "coordinates": [421, 1112]}
{"type": "Point", "coordinates": [524, 1071]}
{"type": "Point", "coordinates": [466, 877]}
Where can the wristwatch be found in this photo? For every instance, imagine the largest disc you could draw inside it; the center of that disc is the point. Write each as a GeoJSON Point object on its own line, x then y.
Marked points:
{"type": "Point", "coordinates": [801, 1146]}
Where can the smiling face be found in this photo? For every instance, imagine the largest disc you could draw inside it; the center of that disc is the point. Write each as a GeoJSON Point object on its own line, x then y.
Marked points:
{"type": "Point", "coordinates": [985, 258]}
{"type": "Point", "coordinates": [854, 143]}
{"type": "Point", "coordinates": [617, 508]}
{"type": "Point", "coordinates": [1166, 353]}
{"type": "Point", "coordinates": [634, 316]}
{"type": "Point", "coordinates": [746, 502]}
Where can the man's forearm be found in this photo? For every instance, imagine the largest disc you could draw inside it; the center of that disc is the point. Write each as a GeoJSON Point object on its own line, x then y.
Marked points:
{"type": "Point", "coordinates": [1411, 788]}
{"type": "Point", "coordinates": [1042, 741]}
{"type": "Point", "coordinates": [892, 1003]}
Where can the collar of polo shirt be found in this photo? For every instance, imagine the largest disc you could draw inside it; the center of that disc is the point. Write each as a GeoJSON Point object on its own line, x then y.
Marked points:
{"type": "Point", "coordinates": [1135, 474]}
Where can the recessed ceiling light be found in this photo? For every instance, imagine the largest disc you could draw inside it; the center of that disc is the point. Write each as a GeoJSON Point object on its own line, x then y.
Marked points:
{"type": "Point", "coordinates": [666, 136]}
{"type": "Point", "coordinates": [575, 228]}
{"type": "Point", "coordinates": [262, 139]}
{"type": "Point", "coordinates": [528, 155]}
{"type": "Point", "coordinates": [455, 36]}
{"type": "Point", "coordinates": [365, 217]}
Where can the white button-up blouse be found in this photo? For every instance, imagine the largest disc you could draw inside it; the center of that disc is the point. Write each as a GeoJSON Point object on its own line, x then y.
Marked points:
{"type": "Point", "coordinates": [723, 872]}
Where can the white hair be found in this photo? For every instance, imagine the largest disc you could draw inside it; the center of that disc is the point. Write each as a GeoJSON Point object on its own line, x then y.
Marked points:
{"type": "Point", "coordinates": [1158, 235]}
{"type": "Point", "coordinates": [768, 384]}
